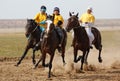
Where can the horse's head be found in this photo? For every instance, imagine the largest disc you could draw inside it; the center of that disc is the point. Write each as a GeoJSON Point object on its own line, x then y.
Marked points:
{"type": "Point", "coordinates": [50, 26]}
{"type": "Point", "coordinates": [50, 17]}
{"type": "Point", "coordinates": [30, 26]}
{"type": "Point", "coordinates": [72, 22]}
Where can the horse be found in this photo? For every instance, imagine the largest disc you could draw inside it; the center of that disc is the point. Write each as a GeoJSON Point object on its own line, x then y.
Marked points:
{"type": "Point", "coordinates": [50, 43]}
{"type": "Point", "coordinates": [33, 35]}
{"type": "Point", "coordinates": [81, 40]}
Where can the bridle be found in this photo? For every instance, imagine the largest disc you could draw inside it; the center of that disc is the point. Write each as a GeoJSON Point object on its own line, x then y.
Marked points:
{"type": "Point", "coordinates": [34, 28]}
{"type": "Point", "coordinates": [32, 31]}
{"type": "Point", "coordinates": [76, 26]}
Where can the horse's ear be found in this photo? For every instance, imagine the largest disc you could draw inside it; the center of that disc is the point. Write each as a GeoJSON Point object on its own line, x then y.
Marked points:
{"type": "Point", "coordinates": [77, 14]}
{"type": "Point", "coordinates": [70, 14]}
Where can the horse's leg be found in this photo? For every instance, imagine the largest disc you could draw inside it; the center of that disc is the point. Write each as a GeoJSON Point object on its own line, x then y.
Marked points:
{"type": "Point", "coordinates": [63, 56]}
{"type": "Point", "coordinates": [82, 61]}
{"type": "Point", "coordinates": [99, 47]}
{"type": "Point", "coordinates": [86, 56]}
{"type": "Point", "coordinates": [33, 57]}
{"type": "Point", "coordinates": [75, 55]}
{"type": "Point", "coordinates": [24, 54]}
{"type": "Point", "coordinates": [41, 57]}
{"type": "Point", "coordinates": [99, 57]}
{"type": "Point", "coordinates": [63, 47]}
{"type": "Point", "coordinates": [50, 64]}
{"type": "Point", "coordinates": [43, 61]}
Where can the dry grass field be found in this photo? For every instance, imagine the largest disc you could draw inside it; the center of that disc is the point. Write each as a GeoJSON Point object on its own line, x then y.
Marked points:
{"type": "Point", "coordinates": [12, 44]}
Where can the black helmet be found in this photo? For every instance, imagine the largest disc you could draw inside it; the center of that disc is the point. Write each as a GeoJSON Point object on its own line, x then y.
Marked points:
{"type": "Point", "coordinates": [43, 7]}
{"type": "Point", "coordinates": [56, 9]}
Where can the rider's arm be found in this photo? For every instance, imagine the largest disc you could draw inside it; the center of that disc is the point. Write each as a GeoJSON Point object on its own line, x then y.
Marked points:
{"type": "Point", "coordinates": [92, 19]}
{"type": "Point", "coordinates": [60, 21]}
{"type": "Point", "coordinates": [36, 17]}
{"type": "Point", "coordinates": [42, 22]}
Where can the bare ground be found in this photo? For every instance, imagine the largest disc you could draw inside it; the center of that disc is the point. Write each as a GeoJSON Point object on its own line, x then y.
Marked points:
{"type": "Point", "coordinates": [109, 70]}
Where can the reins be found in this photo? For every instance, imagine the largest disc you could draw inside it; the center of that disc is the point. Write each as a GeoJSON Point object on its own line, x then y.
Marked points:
{"type": "Point", "coordinates": [32, 32]}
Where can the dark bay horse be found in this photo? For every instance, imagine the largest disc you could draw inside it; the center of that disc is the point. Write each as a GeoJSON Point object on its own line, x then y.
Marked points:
{"type": "Point", "coordinates": [81, 40]}
{"type": "Point", "coordinates": [33, 35]}
{"type": "Point", "coordinates": [50, 43]}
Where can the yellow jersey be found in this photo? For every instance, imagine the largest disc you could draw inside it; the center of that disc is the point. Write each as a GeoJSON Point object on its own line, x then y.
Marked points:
{"type": "Point", "coordinates": [39, 18]}
{"type": "Point", "coordinates": [58, 18]}
{"type": "Point", "coordinates": [87, 18]}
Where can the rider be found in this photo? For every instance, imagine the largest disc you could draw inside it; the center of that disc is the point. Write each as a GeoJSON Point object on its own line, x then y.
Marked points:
{"type": "Point", "coordinates": [87, 20]}
{"type": "Point", "coordinates": [58, 22]}
{"type": "Point", "coordinates": [40, 18]}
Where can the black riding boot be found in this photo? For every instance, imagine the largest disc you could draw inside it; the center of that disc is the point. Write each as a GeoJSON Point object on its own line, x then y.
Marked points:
{"type": "Point", "coordinates": [38, 44]}
{"type": "Point", "coordinates": [42, 35]}
{"type": "Point", "coordinates": [60, 36]}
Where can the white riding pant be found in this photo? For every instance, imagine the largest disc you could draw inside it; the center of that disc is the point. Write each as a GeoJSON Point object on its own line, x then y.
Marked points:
{"type": "Point", "coordinates": [89, 32]}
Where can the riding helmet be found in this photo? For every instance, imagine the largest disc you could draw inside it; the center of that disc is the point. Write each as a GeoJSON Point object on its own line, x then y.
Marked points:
{"type": "Point", "coordinates": [56, 9]}
{"type": "Point", "coordinates": [43, 8]}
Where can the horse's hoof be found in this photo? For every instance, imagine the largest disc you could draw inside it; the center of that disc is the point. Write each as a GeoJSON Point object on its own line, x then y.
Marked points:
{"type": "Point", "coordinates": [34, 62]}
{"type": "Point", "coordinates": [49, 76]}
{"type": "Point", "coordinates": [16, 65]}
{"type": "Point", "coordinates": [75, 61]}
{"type": "Point", "coordinates": [91, 47]}
{"type": "Point", "coordinates": [64, 64]}
{"type": "Point", "coordinates": [80, 71]}
{"type": "Point", "coordinates": [79, 58]}
{"type": "Point", "coordinates": [34, 67]}
{"type": "Point", "coordinates": [100, 60]}
{"type": "Point", "coordinates": [86, 63]}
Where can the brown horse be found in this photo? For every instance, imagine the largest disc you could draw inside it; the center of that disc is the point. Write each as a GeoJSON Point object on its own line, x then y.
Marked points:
{"type": "Point", "coordinates": [49, 44]}
{"type": "Point", "coordinates": [33, 35]}
{"type": "Point", "coordinates": [81, 40]}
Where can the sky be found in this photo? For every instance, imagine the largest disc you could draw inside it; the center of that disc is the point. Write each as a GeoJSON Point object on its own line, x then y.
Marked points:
{"type": "Point", "coordinates": [23, 9]}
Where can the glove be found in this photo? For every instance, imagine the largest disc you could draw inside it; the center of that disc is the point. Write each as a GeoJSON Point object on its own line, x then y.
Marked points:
{"type": "Point", "coordinates": [59, 23]}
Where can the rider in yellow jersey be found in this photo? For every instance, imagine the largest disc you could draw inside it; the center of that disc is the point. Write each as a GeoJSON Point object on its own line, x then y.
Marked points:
{"type": "Point", "coordinates": [57, 17]}
{"type": "Point", "coordinates": [58, 22]}
{"type": "Point", "coordinates": [87, 20]}
{"type": "Point", "coordinates": [41, 17]}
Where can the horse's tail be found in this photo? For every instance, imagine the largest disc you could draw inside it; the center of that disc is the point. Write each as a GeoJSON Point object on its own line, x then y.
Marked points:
{"type": "Point", "coordinates": [98, 38]}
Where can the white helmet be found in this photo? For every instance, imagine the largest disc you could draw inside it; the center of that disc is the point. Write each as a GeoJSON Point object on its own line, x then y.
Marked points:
{"type": "Point", "coordinates": [90, 8]}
